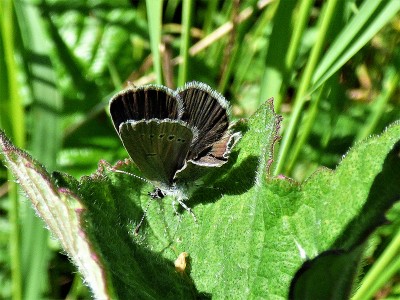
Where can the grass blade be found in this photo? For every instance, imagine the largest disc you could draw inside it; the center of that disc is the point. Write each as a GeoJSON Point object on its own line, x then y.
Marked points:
{"type": "Point", "coordinates": [373, 15]}
{"type": "Point", "coordinates": [154, 18]}
{"type": "Point", "coordinates": [45, 141]}
{"type": "Point", "coordinates": [300, 99]}
{"type": "Point", "coordinates": [185, 41]}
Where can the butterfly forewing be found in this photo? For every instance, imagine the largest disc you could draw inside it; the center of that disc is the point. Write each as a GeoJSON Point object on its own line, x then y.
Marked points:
{"type": "Point", "coordinates": [157, 147]}
{"type": "Point", "coordinates": [206, 110]}
{"type": "Point", "coordinates": [145, 103]}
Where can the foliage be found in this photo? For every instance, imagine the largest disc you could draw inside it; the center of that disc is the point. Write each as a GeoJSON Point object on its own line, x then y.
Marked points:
{"type": "Point", "coordinates": [331, 67]}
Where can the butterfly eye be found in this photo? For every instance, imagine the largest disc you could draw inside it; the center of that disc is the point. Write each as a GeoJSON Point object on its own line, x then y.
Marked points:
{"type": "Point", "coordinates": [171, 137]}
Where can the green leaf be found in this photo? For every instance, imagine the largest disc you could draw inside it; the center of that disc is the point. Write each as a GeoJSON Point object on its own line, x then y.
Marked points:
{"type": "Point", "coordinates": [327, 276]}
{"type": "Point", "coordinates": [253, 232]}
{"type": "Point", "coordinates": [62, 211]}
{"type": "Point", "coordinates": [330, 275]}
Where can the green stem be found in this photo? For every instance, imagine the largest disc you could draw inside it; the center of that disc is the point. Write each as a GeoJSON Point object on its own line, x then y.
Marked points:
{"type": "Point", "coordinates": [389, 87]}
{"type": "Point", "coordinates": [16, 126]}
{"type": "Point", "coordinates": [15, 240]}
{"type": "Point", "coordinates": [298, 30]}
{"type": "Point", "coordinates": [305, 132]}
{"type": "Point", "coordinates": [301, 95]}
{"type": "Point", "coordinates": [154, 17]}
{"type": "Point", "coordinates": [185, 41]}
{"type": "Point", "coordinates": [373, 281]}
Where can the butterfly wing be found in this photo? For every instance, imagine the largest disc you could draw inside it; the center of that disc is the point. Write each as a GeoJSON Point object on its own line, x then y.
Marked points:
{"type": "Point", "coordinates": [157, 147]}
{"type": "Point", "coordinates": [206, 110]}
{"type": "Point", "coordinates": [145, 103]}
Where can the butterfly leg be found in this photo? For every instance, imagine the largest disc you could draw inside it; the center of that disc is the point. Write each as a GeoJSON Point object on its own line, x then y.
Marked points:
{"type": "Point", "coordinates": [188, 209]}
{"type": "Point", "coordinates": [174, 207]}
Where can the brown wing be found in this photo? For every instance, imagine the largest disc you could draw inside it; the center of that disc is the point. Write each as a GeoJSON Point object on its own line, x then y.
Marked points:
{"type": "Point", "coordinates": [206, 110]}
{"type": "Point", "coordinates": [145, 102]}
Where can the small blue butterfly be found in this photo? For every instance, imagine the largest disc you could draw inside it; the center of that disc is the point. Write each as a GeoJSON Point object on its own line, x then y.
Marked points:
{"type": "Point", "coordinates": [172, 136]}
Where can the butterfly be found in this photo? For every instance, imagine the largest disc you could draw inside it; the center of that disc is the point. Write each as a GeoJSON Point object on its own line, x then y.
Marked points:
{"type": "Point", "coordinates": [173, 136]}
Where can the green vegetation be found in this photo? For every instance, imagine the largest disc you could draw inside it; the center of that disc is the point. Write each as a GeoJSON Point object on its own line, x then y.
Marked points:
{"type": "Point", "coordinates": [332, 68]}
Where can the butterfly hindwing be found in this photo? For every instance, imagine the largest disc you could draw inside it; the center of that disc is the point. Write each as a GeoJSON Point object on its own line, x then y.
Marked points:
{"type": "Point", "coordinates": [158, 147]}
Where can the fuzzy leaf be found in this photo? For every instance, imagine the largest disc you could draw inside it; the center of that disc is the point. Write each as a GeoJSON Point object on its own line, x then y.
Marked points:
{"type": "Point", "coordinates": [61, 210]}
{"type": "Point", "coordinates": [253, 232]}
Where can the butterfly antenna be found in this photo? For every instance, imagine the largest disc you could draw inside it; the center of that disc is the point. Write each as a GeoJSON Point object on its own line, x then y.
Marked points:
{"type": "Point", "coordinates": [130, 174]}
{"type": "Point", "coordinates": [148, 204]}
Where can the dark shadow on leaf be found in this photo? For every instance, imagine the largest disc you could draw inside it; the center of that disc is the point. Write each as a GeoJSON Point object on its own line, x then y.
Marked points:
{"type": "Point", "coordinates": [64, 180]}
{"type": "Point", "coordinates": [330, 275]}
{"type": "Point", "coordinates": [384, 192]}
{"type": "Point", "coordinates": [112, 202]}
{"type": "Point", "coordinates": [227, 181]}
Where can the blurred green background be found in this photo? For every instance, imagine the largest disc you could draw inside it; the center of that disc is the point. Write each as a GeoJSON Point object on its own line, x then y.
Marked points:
{"type": "Point", "coordinates": [332, 67]}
